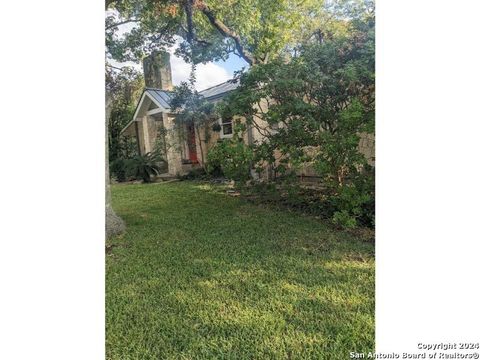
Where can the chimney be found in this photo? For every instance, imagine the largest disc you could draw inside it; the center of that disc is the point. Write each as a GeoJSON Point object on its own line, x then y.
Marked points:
{"type": "Point", "coordinates": [157, 70]}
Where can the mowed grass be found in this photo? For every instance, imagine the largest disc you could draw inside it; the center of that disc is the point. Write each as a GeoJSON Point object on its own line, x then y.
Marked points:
{"type": "Point", "coordinates": [203, 275]}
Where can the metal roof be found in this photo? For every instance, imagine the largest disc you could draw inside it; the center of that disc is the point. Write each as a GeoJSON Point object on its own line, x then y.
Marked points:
{"type": "Point", "coordinates": [163, 97]}
{"type": "Point", "coordinates": [219, 89]}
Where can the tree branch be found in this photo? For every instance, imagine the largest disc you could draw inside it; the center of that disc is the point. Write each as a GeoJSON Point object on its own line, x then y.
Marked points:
{"type": "Point", "coordinates": [225, 31]}
{"type": "Point", "coordinates": [194, 38]}
{"type": "Point", "coordinates": [114, 67]}
{"type": "Point", "coordinates": [190, 28]}
{"type": "Point", "coordinates": [121, 23]}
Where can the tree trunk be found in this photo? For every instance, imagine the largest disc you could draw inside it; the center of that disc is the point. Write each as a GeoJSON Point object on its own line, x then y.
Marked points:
{"type": "Point", "coordinates": [200, 143]}
{"type": "Point", "coordinates": [114, 225]}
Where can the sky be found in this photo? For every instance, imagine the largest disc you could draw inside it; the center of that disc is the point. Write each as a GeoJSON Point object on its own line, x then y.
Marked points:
{"type": "Point", "coordinates": [208, 75]}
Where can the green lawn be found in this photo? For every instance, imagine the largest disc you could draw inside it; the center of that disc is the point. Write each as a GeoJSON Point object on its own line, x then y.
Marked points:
{"type": "Point", "coordinates": [204, 275]}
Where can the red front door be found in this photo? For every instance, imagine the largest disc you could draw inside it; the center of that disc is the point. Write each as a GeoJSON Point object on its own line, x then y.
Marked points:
{"type": "Point", "coordinates": [192, 146]}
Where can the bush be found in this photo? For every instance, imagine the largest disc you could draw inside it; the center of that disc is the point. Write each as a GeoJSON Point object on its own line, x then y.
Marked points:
{"type": "Point", "coordinates": [118, 169]}
{"type": "Point", "coordinates": [195, 174]}
{"type": "Point", "coordinates": [319, 104]}
{"type": "Point", "coordinates": [233, 158]}
{"type": "Point", "coordinates": [344, 219]}
{"type": "Point", "coordinates": [354, 202]}
{"type": "Point", "coordinates": [142, 167]}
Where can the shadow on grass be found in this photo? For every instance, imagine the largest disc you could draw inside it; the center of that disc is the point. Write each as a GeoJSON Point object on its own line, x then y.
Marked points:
{"type": "Point", "coordinates": [208, 276]}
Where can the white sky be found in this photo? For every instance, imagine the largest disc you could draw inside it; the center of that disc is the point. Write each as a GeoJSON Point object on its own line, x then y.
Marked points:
{"type": "Point", "coordinates": [207, 75]}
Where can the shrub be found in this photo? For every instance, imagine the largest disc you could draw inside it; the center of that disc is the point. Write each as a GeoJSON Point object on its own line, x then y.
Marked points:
{"type": "Point", "coordinates": [354, 202]}
{"type": "Point", "coordinates": [144, 166]}
{"type": "Point", "coordinates": [233, 158]}
{"type": "Point", "coordinates": [344, 219]}
{"type": "Point", "coordinates": [319, 104]}
{"type": "Point", "coordinates": [118, 169]}
{"type": "Point", "coordinates": [195, 174]}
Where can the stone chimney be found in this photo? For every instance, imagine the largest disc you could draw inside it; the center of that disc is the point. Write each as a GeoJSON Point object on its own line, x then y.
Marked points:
{"type": "Point", "coordinates": [157, 70]}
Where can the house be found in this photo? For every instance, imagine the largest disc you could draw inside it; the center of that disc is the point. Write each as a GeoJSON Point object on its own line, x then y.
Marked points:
{"type": "Point", "coordinates": [153, 124]}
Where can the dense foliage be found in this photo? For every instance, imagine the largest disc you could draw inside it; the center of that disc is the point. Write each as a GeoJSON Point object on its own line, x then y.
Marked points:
{"type": "Point", "coordinates": [256, 30]}
{"type": "Point", "coordinates": [233, 158]}
{"type": "Point", "coordinates": [144, 166]}
{"type": "Point", "coordinates": [124, 88]}
{"type": "Point", "coordinates": [137, 167]}
{"type": "Point", "coordinates": [316, 107]}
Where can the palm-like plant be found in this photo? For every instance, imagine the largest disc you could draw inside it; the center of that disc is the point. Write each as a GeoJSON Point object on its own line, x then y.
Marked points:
{"type": "Point", "coordinates": [144, 166]}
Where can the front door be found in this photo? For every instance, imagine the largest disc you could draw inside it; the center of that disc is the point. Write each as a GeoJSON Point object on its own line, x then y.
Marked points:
{"type": "Point", "coordinates": [192, 146]}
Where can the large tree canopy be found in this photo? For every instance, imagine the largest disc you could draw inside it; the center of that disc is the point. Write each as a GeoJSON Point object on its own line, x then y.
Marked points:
{"type": "Point", "coordinates": [328, 90]}
{"type": "Point", "coordinates": [256, 30]}
{"type": "Point", "coordinates": [317, 107]}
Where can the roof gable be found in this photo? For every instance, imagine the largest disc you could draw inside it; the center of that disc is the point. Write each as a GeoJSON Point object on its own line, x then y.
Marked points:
{"type": "Point", "coordinates": [162, 98]}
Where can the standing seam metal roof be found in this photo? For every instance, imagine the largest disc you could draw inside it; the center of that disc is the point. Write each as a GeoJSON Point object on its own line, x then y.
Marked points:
{"type": "Point", "coordinates": [163, 97]}
{"type": "Point", "coordinates": [219, 89]}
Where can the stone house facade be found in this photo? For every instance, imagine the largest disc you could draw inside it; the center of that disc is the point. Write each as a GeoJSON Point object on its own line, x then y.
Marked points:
{"type": "Point", "coordinates": [153, 124]}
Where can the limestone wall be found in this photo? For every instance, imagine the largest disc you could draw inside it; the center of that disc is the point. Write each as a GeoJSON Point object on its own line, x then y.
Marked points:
{"type": "Point", "coordinates": [141, 137]}
{"type": "Point", "coordinates": [367, 147]}
{"type": "Point", "coordinates": [174, 157]}
{"type": "Point", "coordinates": [147, 134]}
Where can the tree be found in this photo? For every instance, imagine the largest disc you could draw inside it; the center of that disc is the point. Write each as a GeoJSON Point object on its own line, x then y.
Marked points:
{"type": "Point", "coordinates": [114, 225]}
{"type": "Point", "coordinates": [121, 92]}
{"type": "Point", "coordinates": [322, 99]}
{"type": "Point", "coordinates": [256, 30]}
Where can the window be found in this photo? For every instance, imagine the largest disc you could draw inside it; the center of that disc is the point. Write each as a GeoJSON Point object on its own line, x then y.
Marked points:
{"type": "Point", "coordinates": [227, 128]}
